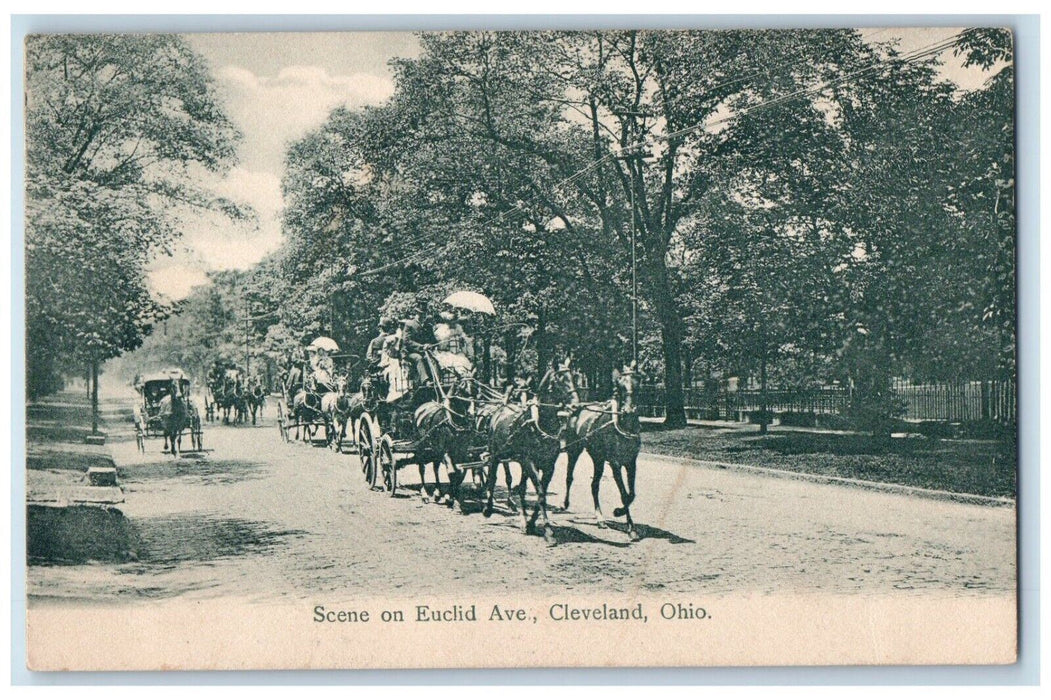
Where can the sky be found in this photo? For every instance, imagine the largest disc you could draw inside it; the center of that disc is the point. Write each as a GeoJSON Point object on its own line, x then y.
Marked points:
{"type": "Point", "coordinates": [278, 87]}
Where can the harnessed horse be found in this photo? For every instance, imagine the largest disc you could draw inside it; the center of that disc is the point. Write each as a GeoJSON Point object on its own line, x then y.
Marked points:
{"type": "Point", "coordinates": [174, 417]}
{"type": "Point", "coordinates": [609, 431]}
{"type": "Point", "coordinates": [530, 434]}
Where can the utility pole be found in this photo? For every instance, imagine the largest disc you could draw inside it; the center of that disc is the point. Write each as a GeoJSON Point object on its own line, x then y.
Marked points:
{"type": "Point", "coordinates": [633, 156]}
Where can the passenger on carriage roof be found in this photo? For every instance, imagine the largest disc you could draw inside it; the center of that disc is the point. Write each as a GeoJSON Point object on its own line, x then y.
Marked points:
{"type": "Point", "coordinates": [449, 336]}
{"type": "Point", "coordinates": [374, 352]}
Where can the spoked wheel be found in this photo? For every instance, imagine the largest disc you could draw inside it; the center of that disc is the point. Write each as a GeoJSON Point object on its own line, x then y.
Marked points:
{"type": "Point", "coordinates": [386, 468]}
{"type": "Point", "coordinates": [282, 427]}
{"type": "Point", "coordinates": [366, 453]}
{"type": "Point", "coordinates": [197, 435]}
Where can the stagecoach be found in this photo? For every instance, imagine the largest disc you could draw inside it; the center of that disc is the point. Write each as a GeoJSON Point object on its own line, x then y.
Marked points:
{"type": "Point", "coordinates": [152, 390]}
{"type": "Point", "coordinates": [389, 435]}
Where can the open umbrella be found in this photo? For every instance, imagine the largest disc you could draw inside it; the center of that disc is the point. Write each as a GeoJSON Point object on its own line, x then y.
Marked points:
{"type": "Point", "coordinates": [471, 301]}
{"type": "Point", "coordinates": [325, 343]}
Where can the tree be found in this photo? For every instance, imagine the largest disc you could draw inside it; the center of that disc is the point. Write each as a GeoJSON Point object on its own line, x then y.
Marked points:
{"type": "Point", "coordinates": [118, 131]}
{"type": "Point", "coordinates": [568, 108]}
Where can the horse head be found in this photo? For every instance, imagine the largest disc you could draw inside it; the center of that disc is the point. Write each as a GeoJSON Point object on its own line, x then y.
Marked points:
{"type": "Point", "coordinates": [558, 385]}
{"type": "Point", "coordinates": [625, 386]}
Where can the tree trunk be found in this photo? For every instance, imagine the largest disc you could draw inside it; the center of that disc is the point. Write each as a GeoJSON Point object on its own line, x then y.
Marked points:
{"type": "Point", "coordinates": [671, 342]}
{"type": "Point", "coordinates": [509, 351]}
{"type": "Point", "coordinates": [94, 397]}
{"type": "Point", "coordinates": [487, 361]}
{"type": "Point", "coordinates": [87, 382]}
{"type": "Point", "coordinates": [543, 346]}
{"type": "Point", "coordinates": [604, 383]}
{"type": "Point", "coordinates": [763, 417]}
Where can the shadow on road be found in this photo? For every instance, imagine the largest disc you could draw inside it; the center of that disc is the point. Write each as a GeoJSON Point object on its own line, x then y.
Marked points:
{"type": "Point", "coordinates": [201, 537]}
{"type": "Point", "coordinates": [221, 471]}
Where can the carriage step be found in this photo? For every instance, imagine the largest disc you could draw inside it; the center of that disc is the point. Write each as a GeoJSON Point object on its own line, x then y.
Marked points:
{"type": "Point", "coordinates": [464, 466]}
{"type": "Point", "coordinates": [403, 446]}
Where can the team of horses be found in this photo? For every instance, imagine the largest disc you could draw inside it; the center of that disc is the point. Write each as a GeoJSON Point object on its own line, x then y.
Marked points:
{"type": "Point", "coordinates": [233, 398]}
{"type": "Point", "coordinates": [529, 427]}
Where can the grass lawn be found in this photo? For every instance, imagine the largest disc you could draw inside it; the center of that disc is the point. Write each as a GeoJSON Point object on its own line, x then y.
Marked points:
{"type": "Point", "coordinates": [986, 468]}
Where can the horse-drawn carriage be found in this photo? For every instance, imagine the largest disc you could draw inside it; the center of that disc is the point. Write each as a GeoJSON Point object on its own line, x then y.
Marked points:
{"type": "Point", "coordinates": [309, 385]}
{"type": "Point", "coordinates": [232, 395]}
{"type": "Point", "coordinates": [166, 410]}
{"type": "Point", "coordinates": [424, 420]}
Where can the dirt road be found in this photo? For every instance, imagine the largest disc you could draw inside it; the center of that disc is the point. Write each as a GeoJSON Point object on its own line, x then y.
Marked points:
{"type": "Point", "coordinates": [262, 519]}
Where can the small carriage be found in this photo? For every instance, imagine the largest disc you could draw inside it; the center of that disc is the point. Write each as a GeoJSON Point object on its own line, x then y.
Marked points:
{"type": "Point", "coordinates": [299, 407]}
{"type": "Point", "coordinates": [153, 390]}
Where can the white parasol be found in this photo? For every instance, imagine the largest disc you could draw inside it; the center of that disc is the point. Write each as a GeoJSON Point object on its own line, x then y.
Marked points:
{"type": "Point", "coordinates": [471, 301]}
{"type": "Point", "coordinates": [325, 343]}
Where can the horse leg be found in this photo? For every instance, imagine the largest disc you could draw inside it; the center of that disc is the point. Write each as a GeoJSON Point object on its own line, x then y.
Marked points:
{"type": "Point", "coordinates": [545, 481]}
{"type": "Point", "coordinates": [528, 474]}
{"type": "Point", "coordinates": [572, 455]}
{"type": "Point", "coordinates": [490, 486]}
{"type": "Point", "coordinates": [424, 493]}
{"type": "Point", "coordinates": [630, 468]}
{"type": "Point", "coordinates": [507, 480]}
{"type": "Point", "coordinates": [438, 482]}
{"type": "Point", "coordinates": [455, 496]}
{"type": "Point", "coordinates": [626, 497]}
{"type": "Point", "coordinates": [596, 483]}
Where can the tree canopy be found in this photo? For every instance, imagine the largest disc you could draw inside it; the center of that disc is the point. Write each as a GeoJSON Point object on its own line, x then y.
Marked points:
{"type": "Point", "coordinates": [118, 128]}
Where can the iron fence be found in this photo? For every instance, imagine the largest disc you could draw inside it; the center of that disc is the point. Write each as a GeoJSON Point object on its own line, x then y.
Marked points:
{"type": "Point", "coordinates": [993, 400]}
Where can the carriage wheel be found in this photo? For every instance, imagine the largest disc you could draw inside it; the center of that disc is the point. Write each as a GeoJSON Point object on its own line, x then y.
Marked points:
{"type": "Point", "coordinates": [366, 450]}
{"type": "Point", "coordinates": [386, 466]}
{"type": "Point", "coordinates": [196, 434]}
{"type": "Point", "coordinates": [282, 429]}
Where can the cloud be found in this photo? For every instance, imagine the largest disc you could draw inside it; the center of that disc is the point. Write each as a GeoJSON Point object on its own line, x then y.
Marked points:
{"type": "Point", "coordinates": [273, 111]}
{"type": "Point", "coordinates": [214, 242]}
{"type": "Point", "coordinates": [174, 280]}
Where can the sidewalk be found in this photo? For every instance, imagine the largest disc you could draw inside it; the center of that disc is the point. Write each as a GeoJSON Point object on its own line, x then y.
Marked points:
{"type": "Point", "coordinates": [982, 468]}
{"type": "Point", "coordinates": [69, 519]}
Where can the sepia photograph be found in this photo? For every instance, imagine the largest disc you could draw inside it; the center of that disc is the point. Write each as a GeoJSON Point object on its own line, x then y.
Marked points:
{"type": "Point", "coordinates": [467, 349]}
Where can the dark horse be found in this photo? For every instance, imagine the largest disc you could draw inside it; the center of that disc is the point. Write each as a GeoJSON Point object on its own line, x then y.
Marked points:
{"type": "Point", "coordinates": [307, 411]}
{"type": "Point", "coordinates": [340, 409]}
{"type": "Point", "coordinates": [231, 397]}
{"type": "Point", "coordinates": [255, 398]}
{"type": "Point", "coordinates": [174, 416]}
{"type": "Point", "coordinates": [437, 433]}
{"type": "Point", "coordinates": [530, 433]}
{"type": "Point", "coordinates": [609, 431]}
{"type": "Point", "coordinates": [451, 428]}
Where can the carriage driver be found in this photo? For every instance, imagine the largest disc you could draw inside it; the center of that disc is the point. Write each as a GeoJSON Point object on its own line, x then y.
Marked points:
{"type": "Point", "coordinates": [413, 346]}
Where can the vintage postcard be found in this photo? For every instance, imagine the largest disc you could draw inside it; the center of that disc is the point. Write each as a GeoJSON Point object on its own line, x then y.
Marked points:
{"type": "Point", "coordinates": [520, 349]}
